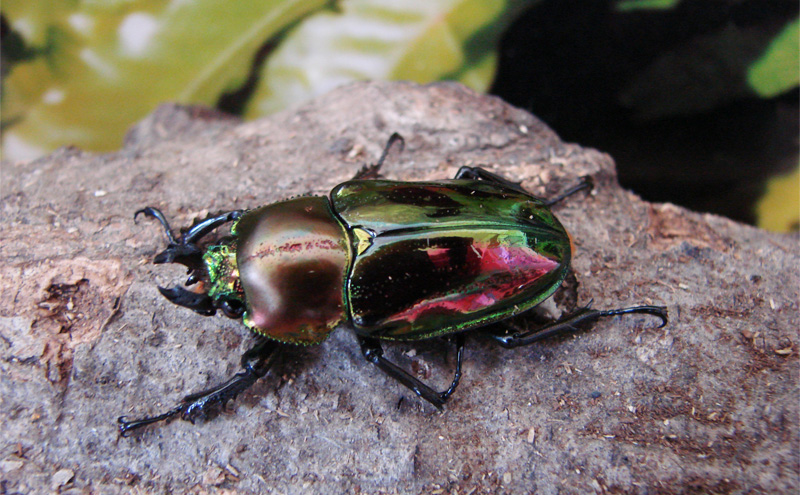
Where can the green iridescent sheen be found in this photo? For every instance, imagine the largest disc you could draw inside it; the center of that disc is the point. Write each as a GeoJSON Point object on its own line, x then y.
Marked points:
{"type": "Point", "coordinates": [223, 272]}
{"type": "Point", "coordinates": [433, 258]}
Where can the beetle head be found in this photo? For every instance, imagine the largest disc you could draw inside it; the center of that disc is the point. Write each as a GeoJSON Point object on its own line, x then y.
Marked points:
{"type": "Point", "coordinates": [224, 287]}
{"type": "Point", "coordinates": [217, 272]}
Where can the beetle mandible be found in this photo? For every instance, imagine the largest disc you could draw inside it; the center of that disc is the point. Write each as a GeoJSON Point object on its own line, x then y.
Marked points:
{"type": "Point", "coordinates": [388, 260]}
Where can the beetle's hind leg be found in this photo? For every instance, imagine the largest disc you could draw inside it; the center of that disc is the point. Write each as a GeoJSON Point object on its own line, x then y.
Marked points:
{"type": "Point", "coordinates": [373, 352]}
{"type": "Point", "coordinates": [373, 171]}
{"type": "Point", "coordinates": [569, 323]}
{"type": "Point", "coordinates": [585, 183]}
{"type": "Point", "coordinates": [255, 363]}
{"type": "Point", "coordinates": [478, 173]}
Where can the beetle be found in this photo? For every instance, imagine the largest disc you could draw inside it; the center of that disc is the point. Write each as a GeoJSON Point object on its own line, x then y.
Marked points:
{"type": "Point", "coordinates": [388, 260]}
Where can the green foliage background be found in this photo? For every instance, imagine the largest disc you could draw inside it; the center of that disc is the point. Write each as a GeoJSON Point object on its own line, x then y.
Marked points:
{"type": "Point", "coordinates": [95, 68]}
{"type": "Point", "coordinates": [81, 72]}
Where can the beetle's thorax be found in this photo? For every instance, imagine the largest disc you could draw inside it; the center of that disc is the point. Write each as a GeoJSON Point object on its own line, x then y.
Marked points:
{"type": "Point", "coordinates": [292, 258]}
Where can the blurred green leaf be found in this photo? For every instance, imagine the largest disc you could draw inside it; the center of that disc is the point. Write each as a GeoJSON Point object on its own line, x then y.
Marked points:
{"type": "Point", "coordinates": [633, 5]}
{"type": "Point", "coordinates": [105, 65]}
{"type": "Point", "coordinates": [777, 69]}
{"type": "Point", "coordinates": [779, 208]}
{"type": "Point", "coordinates": [417, 40]}
{"type": "Point", "coordinates": [34, 19]}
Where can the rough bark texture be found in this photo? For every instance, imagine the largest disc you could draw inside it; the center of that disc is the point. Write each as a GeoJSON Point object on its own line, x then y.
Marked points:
{"type": "Point", "coordinates": [707, 404]}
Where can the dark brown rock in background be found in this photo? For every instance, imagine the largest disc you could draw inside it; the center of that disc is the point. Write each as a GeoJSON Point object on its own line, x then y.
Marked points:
{"type": "Point", "coordinates": [707, 404]}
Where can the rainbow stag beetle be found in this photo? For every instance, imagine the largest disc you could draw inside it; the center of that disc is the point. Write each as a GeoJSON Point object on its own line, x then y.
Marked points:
{"type": "Point", "coordinates": [388, 260]}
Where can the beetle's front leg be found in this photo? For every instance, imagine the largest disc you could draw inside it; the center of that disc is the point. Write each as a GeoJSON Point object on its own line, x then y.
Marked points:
{"type": "Point", "coordinates": [256, 363]}
{"type": "Point", "coordinates": [569, 323]}
{"type": "Point", "coordinates": [373, 352]}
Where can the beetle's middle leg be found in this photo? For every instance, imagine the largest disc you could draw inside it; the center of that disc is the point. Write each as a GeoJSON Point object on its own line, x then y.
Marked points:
{"type": "Point", "coordinates": [459, 338]}
{"type": "Point", "coordinates": [373, 352]}
{"type": "Point", "coordinates": [256, 363]}
{"type": "Point", "coordinates": [569, 323]}
{"type": "Point", "coordinates": [372, 171]}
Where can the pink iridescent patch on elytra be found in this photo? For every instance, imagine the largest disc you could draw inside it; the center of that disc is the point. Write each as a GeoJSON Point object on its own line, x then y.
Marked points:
{"type": "Point", "coordinates": [501, 271]}
{"type": "Point", "coordinates": [439, 256]}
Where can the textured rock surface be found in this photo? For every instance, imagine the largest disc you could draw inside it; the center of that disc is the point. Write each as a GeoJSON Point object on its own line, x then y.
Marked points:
{"type": "Point", "coordinates": [707, 404]}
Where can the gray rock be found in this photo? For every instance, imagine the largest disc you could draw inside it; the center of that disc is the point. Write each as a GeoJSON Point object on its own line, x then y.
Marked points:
{"type": "Point", "coordinates": [708, 403]}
